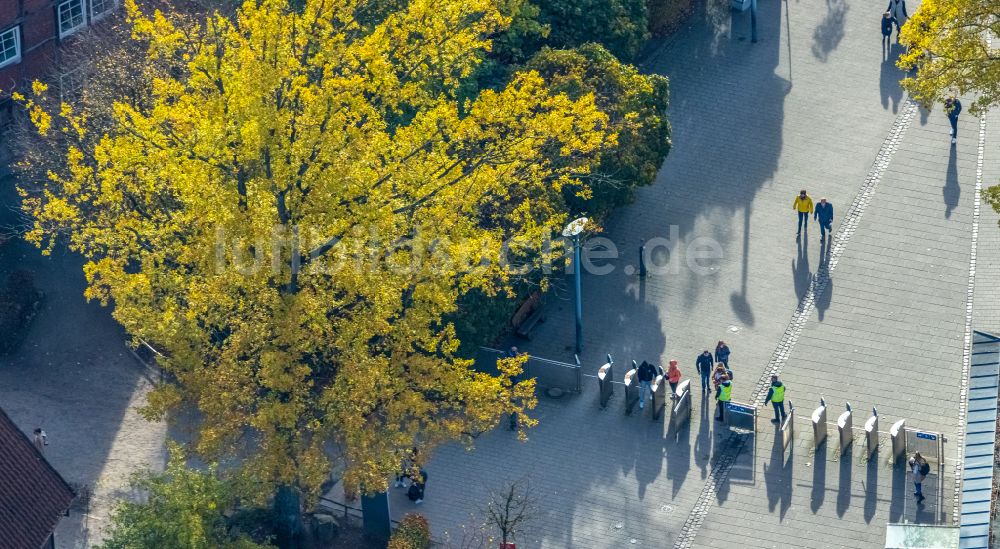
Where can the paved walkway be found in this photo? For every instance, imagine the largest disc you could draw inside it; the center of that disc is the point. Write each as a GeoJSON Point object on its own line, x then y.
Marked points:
{"type": "Point", "coordinates": [74, 377]}
{"type": "Point", "coordinates": [879, 319]}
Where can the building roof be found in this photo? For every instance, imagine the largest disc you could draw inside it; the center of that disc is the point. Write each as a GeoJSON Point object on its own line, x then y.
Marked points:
{"type": "Point", "coordinates": [33, 496]}
{"type": "Point", "coordinates": [980, 442]}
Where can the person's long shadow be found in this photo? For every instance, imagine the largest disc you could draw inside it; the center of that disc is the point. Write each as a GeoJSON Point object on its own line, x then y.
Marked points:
{"type": "Point", "coordinates": [844, 487]}
{"type": "Point", "coordinates": [778, 477]}
{"type": "Point", "coordinates": [830, 31]}
{"type": "Point", "coordinates": [889, 79]}
{"type": "Point", "coordinates": [871, 487]}
{"type": "Point", "coordinates": [951, 190]}
{"type": "Point", "coordinates": [824, 284]}
{"type": "Point", "coordinates": [819, 478]}
{"type": "Point", "coordinates": [800, 267]}
{"type": "Point", "coordinates": [649, 451]}
{"type": "Point", "coordinates": [703, 444]}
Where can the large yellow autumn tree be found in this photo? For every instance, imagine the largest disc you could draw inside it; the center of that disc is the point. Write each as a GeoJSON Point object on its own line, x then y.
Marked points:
{"type": "Point", "coordinates": [955, 48]}
{"type": "Point", "coordinates": [948, 41]}
{"type": "Point", "coordinates": [295, 207]}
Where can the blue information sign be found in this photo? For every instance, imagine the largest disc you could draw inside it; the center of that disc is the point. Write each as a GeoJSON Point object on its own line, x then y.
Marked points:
{"type": "Point", "coordinates": [928, 436]}
{"type": "Point", "coordinates": [740, 409]}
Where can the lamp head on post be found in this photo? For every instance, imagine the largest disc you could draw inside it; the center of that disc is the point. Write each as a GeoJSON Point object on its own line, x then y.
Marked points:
{"type": "Point", "coordinates": [575, 227]}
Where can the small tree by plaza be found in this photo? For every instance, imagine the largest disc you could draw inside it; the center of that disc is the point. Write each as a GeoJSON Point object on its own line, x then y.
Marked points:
{"type": "Point", "coordinates": [510, 509]}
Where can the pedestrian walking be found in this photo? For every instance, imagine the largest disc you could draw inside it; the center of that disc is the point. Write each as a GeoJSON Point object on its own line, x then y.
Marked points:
{"type": "Point", "coordinates": [722, 353]}
{"type": "Point", "coordinates": [418, 485]}
{"type": "Point", "coordinates": [897, 8]}
{"type": "Point", "coordinates": [953, 107]}
{"type": "Point", "coordinates": [776, 396]}
{"type": "Point", "coordinates": [723, 394]}
{"type": "Point", "coordinates": [673, 376]}
{"type": "Point", "coordinates": [887, 22]}
{"type": "Point", "coordinates": [920, 468]}
{"type": "Point", "coordinates": [804, 205]}
{"type": "Point", "coordinates": [40, 439]}
{"type": "Point", "coordinates": [824, 215]}
{"type": "Point", "coordinates": [647, 373]}
{"type": "Point", "coordinates": [704, 364]}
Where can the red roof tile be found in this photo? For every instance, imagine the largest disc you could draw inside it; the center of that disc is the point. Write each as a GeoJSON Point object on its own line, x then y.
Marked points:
{"type": "Point", "coordinates": [33, 496]}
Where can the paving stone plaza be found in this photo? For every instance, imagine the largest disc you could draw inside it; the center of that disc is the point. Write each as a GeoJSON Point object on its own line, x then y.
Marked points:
{"type": "Point", "coordinates": [882, 316]}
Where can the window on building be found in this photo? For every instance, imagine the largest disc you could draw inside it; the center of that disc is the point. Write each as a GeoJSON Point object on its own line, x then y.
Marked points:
{"type": "Point", "coordinates": [100, 8]}
{"type": "Point", "coordinates": [10, 46]}
{"type": "Point", "coordinates": [71, 17]}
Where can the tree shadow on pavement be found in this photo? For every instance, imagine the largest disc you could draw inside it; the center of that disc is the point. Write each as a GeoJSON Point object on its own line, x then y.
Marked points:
{"type": "Point", "coordinates": [830, 31]}
{"type": "Point", "coordinates": [778, 476]}
{"type": "Point", "coordinates": [952, 191]}
{"type": "Point", "coordinates": [728, 102]}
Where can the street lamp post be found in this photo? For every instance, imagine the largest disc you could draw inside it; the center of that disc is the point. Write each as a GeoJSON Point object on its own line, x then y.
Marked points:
{"type": "Point", "coordinates": [573, 230]}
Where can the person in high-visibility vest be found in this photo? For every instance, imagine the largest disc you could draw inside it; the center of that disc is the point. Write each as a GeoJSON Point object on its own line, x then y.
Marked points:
{"type": "Point", "coordinates": [776, 396]}
{"type": "Point", "coordinates": [723, 394]}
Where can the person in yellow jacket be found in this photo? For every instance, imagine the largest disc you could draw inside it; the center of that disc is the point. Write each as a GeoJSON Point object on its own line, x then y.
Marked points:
{"type": "Point", "coordinates": [804, 205]}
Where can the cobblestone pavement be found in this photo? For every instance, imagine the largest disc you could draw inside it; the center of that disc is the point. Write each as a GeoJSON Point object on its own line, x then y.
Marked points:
{"type": "Point", "coordinates": [878, 319]}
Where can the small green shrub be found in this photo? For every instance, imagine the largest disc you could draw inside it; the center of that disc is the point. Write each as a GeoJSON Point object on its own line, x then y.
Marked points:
{"type": "Point", "coordinates": [666, 16]}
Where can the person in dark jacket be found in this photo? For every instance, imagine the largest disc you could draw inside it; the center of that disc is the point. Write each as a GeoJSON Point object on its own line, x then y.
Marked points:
{"type": "Point", "coordinates": [647, 373]}
{"type": "Point", "coordinates": [898, 10]}
{"type": "Point", "coordinates": [722, 353]}
{"type": "Point", "coordinates": [418, 483]}
{"type": "Point", "coordinates": [953, 108]}
{"type": "Point", "coordinates": [776, 396]}
{"type": "Point", "coordinates": [824, 215]}
{"type": "Point", "coordinates": [704, 364]}
{"type": "Point", "coordinates": [887, 21]}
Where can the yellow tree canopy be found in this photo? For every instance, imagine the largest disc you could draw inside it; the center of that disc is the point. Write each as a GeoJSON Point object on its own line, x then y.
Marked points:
{"type": "Point", "coordinates": [295, 210]}
{"type": "Point", "coordinates": [947, 42]}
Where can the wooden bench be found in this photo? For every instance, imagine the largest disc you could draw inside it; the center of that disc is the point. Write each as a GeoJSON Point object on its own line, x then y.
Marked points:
{"type": "Point", "coordinates": [528, 315]}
